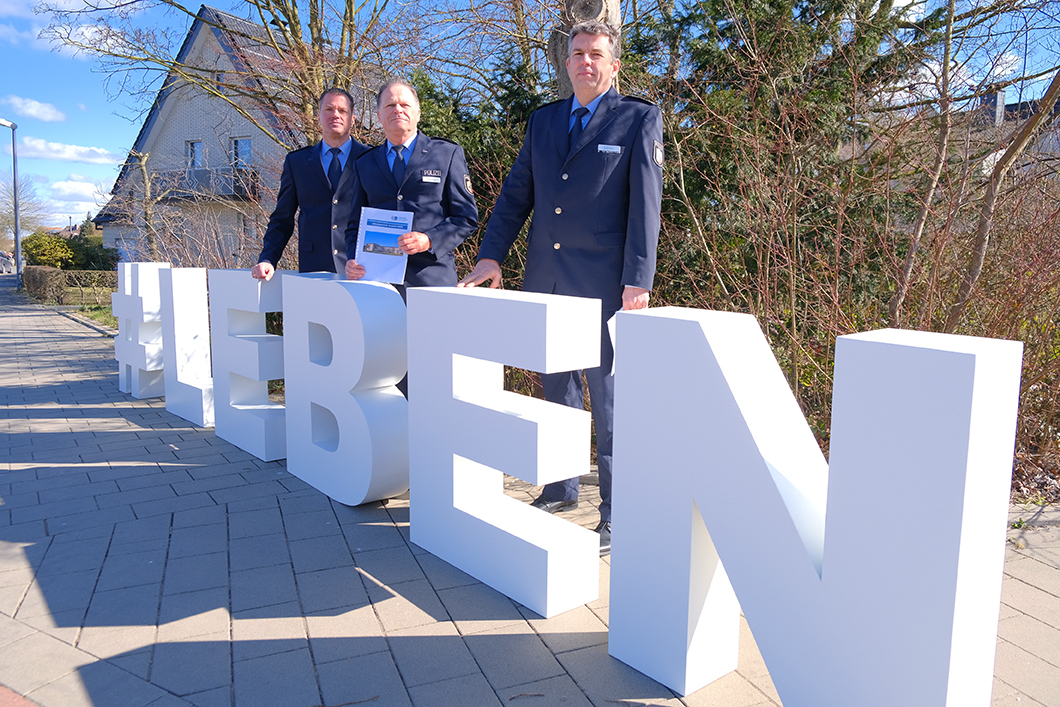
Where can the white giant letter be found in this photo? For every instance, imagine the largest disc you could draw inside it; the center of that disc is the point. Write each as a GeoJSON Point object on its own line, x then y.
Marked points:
{"type": "Point", "coordinates": [895, 600]}
{"type": "Point", "coordinates": [464, 429]}
{"type": "Point", "coordinates": [186, 351]}
{"type": "Point", "coordinates": [347, 425]}
{"type": "Point", "coordinates": [245, 359]}
{"type": "Point", "coordinates": [138, 345]}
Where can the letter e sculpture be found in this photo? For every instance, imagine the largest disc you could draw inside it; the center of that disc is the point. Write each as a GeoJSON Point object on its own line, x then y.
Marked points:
{"type": "Point", "coordinates": [245, 359]}
{"type": "Point", "coordinates": [464, 430]}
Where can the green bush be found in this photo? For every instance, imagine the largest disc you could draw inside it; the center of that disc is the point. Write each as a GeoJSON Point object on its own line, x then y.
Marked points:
{"type": "Point", "coordinates": [90, 254]}
{"type": "Point", "coordinates": [82, 252]}
{"type": "Point", "coordinates": [50, 251]}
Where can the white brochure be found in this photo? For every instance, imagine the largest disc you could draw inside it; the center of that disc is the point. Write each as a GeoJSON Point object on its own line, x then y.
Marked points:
{"type": "Point", "coordinates": [377, 244]}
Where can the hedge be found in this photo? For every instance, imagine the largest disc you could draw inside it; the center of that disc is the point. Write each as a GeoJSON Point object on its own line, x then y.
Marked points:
{"type": "Point", "coordinates": [70, 286]}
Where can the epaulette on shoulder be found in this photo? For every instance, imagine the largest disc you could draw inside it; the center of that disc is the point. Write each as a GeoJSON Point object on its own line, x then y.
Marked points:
{"type": "Point", "coordinates": [552, 103]}
{"type": "Point", "coordinates": [444, 139]}
{"type": "Point", "coordinates": [639, 100]}
{"type": "Point", "coordinates": [303, 149]}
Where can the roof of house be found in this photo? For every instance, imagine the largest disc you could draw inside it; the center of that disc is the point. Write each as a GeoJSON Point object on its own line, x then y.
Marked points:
{"type": "Point", "coordinates": [247, 46]}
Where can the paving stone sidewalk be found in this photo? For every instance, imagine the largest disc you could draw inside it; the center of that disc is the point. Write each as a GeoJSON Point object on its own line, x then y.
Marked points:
{"type": "Point", "coordinates": [144, 561]}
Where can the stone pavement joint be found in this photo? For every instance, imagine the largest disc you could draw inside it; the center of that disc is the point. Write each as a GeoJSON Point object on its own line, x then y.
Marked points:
{"type": "Point", "coordinates": [147, 562]}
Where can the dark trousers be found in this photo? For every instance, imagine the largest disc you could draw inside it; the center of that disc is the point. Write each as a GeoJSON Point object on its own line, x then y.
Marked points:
{"type": "Point", "coordinates": [566, 389]}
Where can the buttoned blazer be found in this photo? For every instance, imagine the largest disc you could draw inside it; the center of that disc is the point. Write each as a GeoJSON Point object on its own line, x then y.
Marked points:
{"type": "Point", "coordinates": [322, 216]}
{"type": "Point", "coordinates": [436, 189]}
{"type": "Point", "coordinates": [596, 207]}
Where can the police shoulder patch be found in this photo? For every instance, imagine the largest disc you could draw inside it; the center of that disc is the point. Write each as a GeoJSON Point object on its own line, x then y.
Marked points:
{"type": "Point", "coordinates": [657, 153]}
{"type": "Point", "coordinates": [467, 184]}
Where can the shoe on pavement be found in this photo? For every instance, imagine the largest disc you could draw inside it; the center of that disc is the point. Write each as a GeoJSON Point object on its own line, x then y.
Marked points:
{"type": "Point", "coordinates": [605, 537]}
{"type": "Point", "coordinates": [547, 505]}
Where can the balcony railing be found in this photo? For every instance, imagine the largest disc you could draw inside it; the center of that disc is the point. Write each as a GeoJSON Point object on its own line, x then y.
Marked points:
{"type": "Point", "coordinates": [226, 183]}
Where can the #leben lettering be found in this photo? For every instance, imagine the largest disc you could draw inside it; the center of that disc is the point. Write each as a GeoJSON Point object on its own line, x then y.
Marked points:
{"type": "Point", "coordinates": [820, 555]}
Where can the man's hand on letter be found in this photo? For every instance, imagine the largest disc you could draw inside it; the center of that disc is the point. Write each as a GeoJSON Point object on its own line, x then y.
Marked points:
{"type": "Point", "coordinates": [485, 269]}
{"type": "Point", "coordinates": [634, 298]}
{"type": "Point", "coordinates": [262, 271]}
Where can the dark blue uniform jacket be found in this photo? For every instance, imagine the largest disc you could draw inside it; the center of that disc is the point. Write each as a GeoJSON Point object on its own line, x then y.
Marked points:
{"type": "Point", "coordinates": [322, 216]}
{"type": "Point", "coordinates": [436, 188]}
{"type": "Point", "coordinates": [596, 209]}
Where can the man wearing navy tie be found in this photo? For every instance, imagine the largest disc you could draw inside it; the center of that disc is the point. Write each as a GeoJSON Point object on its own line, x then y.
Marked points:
{"type": "Point", "coordinates": [315, 184]}
{"type": "Point", "coordinates": [590, 170]}
{"type": "Point", "coordinates": [413, 172]}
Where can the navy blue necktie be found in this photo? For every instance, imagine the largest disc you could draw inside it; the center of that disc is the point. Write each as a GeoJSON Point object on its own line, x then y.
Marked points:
{"type": "Point", "coordinates": [576, 129]}
{"type": "Point", "coordinates": [334, 169]}
{"type": "Point", "coordinates": [399, 165]}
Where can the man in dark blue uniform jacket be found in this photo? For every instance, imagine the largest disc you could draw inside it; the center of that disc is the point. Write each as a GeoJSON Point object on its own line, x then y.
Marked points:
{"type": "Point", "coordinates": [590, 169]}
{"type": "Point", "coordinates": [424, 175]}
{"type": "Point", "coordinates": [306, 187]}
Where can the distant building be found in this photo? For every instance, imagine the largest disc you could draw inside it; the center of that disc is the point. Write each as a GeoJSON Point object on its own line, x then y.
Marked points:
{"type": "Point", "coordinates": [998, 119]}
{"type": "Point", "coordinates": [212, 171]}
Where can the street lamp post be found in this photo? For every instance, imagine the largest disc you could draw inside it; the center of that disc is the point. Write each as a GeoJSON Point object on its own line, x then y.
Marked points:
{"type": "Point", "coordinates": [14, 190]}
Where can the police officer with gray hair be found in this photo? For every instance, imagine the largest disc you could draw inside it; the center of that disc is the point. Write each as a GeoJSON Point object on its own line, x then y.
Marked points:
{"type": "Point", "coordinates": [413, 172]}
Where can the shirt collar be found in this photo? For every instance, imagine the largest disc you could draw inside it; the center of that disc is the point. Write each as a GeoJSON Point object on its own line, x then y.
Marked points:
{"type": "Point", "coordinates": [575, 105]}
{"type": "Point", "coordinates": [344, 148]}
{"type": "Point", "coordinates": [407, 144]}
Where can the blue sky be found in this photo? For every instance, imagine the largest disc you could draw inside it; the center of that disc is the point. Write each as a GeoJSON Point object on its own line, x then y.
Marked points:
{"type": "Point", "coordinates": [72, 137]}
{"type": "Point", "coordinates": [70, 141]}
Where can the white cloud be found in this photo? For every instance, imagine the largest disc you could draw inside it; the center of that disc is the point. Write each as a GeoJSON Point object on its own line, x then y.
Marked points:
{"type": "Point", "coordinates": [28, 33]}
{"type": "Point", "coordinates": [1006, 65]}
{"type": "Point", "coordinates": [17, 8]}
{"type": "Point", "coordinates": [24, 8]}
{"type": "Point", "coordinates": [35, 109]}
{"type": "Point", "coordinates": [41, 149]}
{"type": "Point", "coordinates": [74, 191]}
{"type": "Point", "coordinates": [12, 35]}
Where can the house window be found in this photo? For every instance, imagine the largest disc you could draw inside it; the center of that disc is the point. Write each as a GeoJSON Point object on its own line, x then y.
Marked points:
{"type": "Point", "coordinates": [194, 154]}
{"type": "Point", "coordinates": [248, 227]}
{"type": "Point", "coordinates": [241, 158]}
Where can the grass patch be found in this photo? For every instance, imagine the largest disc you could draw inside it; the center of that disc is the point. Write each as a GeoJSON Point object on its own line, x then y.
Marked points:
{"type": "Point", "coordinates": [100, 313]}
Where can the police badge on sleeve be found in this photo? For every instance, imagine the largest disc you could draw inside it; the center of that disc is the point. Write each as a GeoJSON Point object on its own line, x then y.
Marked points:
{"type": "Point", "coordinates": [657, 153]}
{"type": "Point", "coordinates": [467, 184]}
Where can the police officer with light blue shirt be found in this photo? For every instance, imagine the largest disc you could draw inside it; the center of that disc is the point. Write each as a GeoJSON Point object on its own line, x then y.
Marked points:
{"type": "Point", "coordinates": [590, 170]}
{"type": "Point", "coordinates": [413, 172]}
{"type": "Point", "coordinates": [316, 186]}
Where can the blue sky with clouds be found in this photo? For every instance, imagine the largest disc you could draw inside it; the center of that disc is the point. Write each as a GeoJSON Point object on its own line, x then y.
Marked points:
{"type": "Point", "coordinates": [70, 141]}
{"type": "Point", "coordinates": [72, 137]}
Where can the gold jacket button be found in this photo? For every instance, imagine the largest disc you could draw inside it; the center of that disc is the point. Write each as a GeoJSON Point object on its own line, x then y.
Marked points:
{"type": "Point", "coordinates": [556, 246]}
{"type": "Point", "coordinates": [564, 177]}
{"type": "Point", "coordinates": [558, 211]}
